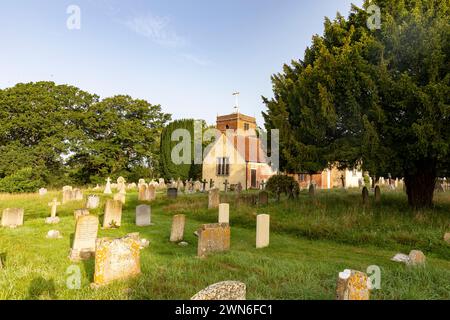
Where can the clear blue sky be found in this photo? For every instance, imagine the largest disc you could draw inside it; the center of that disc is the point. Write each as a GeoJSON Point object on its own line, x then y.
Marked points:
{"type": "Point", "coordinates": [188, 56]}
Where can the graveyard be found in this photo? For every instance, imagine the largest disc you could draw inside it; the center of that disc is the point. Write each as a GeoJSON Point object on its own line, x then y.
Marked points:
{"type": "Point", "coordinates": [311, 240]}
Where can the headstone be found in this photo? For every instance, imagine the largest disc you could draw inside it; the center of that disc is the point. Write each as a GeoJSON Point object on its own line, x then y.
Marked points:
{"type": "Point", "coordinates": [197, 186]}
{"type": "Point", "coordinates": [416, 258]}
{"type": "Point", "coordinates": [263, 198]}
{"type": "Point", "coordinates": [123, 189]}
{"type": "Point", "coordinates": [80, 212]}
{"type": "Point", "coordinates": [67, 188]}
{"type": "Point", "coordinates": [213, 198]}
{"type": "Point", "coordinates": [262, 231]}
{"type": "Point", "coordinates": [54, 234]}
{"type": "Point", "coordinates": [224, 213]}
{"type": "Point", "coordinates": [120, 197]}
{"type": "Point", "coordinates": [116, 259]}
{"type": "Point", "coordinates": [143, 216]}
{"type": "Point", "coordinates": [352, 285]}
{"type": "Point", "coordinates": [213, 238]}
{"type": "Point", "coordinates": [312, 190]}
{"type": "Point", "coordinates": [447, 237]}
{"type": "Point", "coordinates": [172, 193]}
{"type": "Point", "coordinates": [223, 291]}
{"type": "Point", "coordinates": [141, 182]}
{"type": "Point", "coordinates": [151, 192]}
{"type": "Point", "coordinates": [67, 196]}
{"type": "Point", "coordinates": [12, 217]}
{"type": "Point", "coordinates": [142, 196]}
{"type": "Point", "coordinates": [113, 214]}
{"type": "Point", "coordinates": [177, 232]}
{"type": "Point", "coordinates": [401, 257]}
{"type": "Point", "coordinates": [42, 192]}
{"type": "Point", "coordinates": [85, 236]}
{"type": "Point", "coordinates": [108, 187]}
{"type": "Point", "coordinates": [239, 188]}
{"type": "Point", "coordinates": [377, 194]}
{"type": "Point", "coordinates": [121, 183]}
{"type": "Point", "coordinates": [93, 202]}
{"type": "Point", "coordinates": [365, 196]}
{"type": "Point", "coordinates": [77, 195]}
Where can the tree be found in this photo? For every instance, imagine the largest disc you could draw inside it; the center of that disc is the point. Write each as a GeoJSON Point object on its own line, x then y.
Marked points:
{"type": "Point", "coordinates": [188, 169]}
{"type": "Point", "coordinates": [376, 97]}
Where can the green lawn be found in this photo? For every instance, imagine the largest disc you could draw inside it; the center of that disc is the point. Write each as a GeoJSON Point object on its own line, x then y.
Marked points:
{"type": "Point", "coordinates": [311, 241]}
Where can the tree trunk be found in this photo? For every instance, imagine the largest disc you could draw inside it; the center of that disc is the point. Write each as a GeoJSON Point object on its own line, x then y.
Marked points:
{"type": "Point", "coordinates": [420, 186]}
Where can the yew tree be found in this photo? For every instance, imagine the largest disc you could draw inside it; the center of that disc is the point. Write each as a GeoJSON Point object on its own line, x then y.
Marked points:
{"type": "Point", "coordinates": [378, 97]}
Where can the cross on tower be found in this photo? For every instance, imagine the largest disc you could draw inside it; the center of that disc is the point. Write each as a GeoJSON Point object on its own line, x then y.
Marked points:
{"type": "Point", "coordinates": [54, 204]}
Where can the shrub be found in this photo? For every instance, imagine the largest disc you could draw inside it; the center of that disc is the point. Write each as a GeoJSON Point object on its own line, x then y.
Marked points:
{"type": "Point", "coordinates": [279, 184]}
{"type": "Point", "coordinates": [23, 180]}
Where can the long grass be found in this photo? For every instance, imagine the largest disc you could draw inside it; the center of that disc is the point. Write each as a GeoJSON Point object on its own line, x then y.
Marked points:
{"type": "Point", "coordinates": [311, 241]}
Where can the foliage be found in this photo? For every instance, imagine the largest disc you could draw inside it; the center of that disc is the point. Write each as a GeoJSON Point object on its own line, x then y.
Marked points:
{"type": "Point", "coordinates": [379, 97]}
{"type": "Point", "coordinates": [279, 184]}
{"type": "Point", "coordinates": [24, 180]}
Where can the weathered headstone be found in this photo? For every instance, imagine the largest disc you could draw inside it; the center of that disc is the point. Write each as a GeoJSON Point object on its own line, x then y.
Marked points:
{"type": "Point", "coordinates": [365, 196]}
{"type": "Point", "coordinates": [213, 198]}
{"type": "Point", "coordinates": [213, 238]}
{"type": "Point", "coordinates": [116, 259]}
{"type": "Point", "coordinates": [108, 187]}
{"type": "Point", "coordinates": [151, 192]}
{"type": "Point", "coordinates": [172, 193]}
{"type": "Point", "coordinates": [67, 188]}
{"type": "Point", "coordinates": [143, 216]}
{"type": "Point", "coordinates": [352, 285]}
{"type": "Point", "coordinates": [85, 237]}
{"type": "Point", "coordinates": [263, 198]}
{"type": "Point", "coordinates": [226, 291]}
{"type": "Point", "coordinates": [416, 258]}
{"type": "Point", "coordinates": [120, 197]}
{"type": "Point", "coordinates": [177, 231]}
{"type": "Point", "coordinates": [12, 217]}
{"type": "Point", "coordinates": [113, 214]}
{"type": "Point", "coordinates": [142, 196]}
{"type": "Point", "coordinates": [262, 231]}
{"type": "Point", "coordinates": [377, 194]}
{"type": "Point", "coordinates": [93, 202]}
{"type": "Point", "coordinates": [80, 212]}
{"type": "Point", "coordinates": [224, 213]}
{"type": "Point", "coordinates": [77, 195]}
{"type": "Point", "coordinates": [312, 190]}
{"type": "Point", "coordinates": [42, 191]}
{"type": "Point", "coordinates": [121, 183]}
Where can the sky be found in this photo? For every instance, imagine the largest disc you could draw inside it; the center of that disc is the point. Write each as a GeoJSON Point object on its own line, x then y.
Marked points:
{"type": "Point", "coordinates": [187, 56]}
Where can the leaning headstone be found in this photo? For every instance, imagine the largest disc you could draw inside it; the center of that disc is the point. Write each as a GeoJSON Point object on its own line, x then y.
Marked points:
{"type": "Point", "coordinates": [12, 217]}
{"type": "Point", "coordinates": [116, 259]}
{"type": "Point", "coordinates": [377, 194]}
{"type": "Point", "coordinates": [85, 236]}
{"type": "Point", "coordinates": [143, 216]}
{"type": "Point", "coordinates": [177, 231]}
{"type": "Point", "coordinates": [42, 192]}
{"type": "Point", "coordinates": [365, 196]}
{"type": "Point", "coordinates": [352, 285]}
{"type": "Point", "coordinates": [80, 213]}
{"type": "Point", "coordinates": [113, 214]}
{"type": "Point", "coordinates": [263, 198]}
{"type": "Point", "coordinates": [213, 238]}
{"type": "Point", "coordinates": [213, 198]}
{"type": "Point", "coordinates": [224, 213]}
{"type": "Point", "coordinates": [262, 231]}
{"type": "Point", "coordinates": [172, 193]}
{"type": "Point", "coordinates": [93, 202]}
{"type": "Point", "coordinates": [224, 291]}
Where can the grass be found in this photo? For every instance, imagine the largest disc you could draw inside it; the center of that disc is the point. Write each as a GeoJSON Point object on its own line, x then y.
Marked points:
{"type": "Point", "coordinates": [311, 241]}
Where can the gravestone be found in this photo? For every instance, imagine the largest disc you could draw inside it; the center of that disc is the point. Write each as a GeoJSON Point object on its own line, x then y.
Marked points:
{"type": "Point", "coordinates": [151, 192]}
{"type": "Point", "coordinates": [123, 189]}
{"type": "Point", "coordinates": [113, 214]}
{"type": "Point", "coordinates": [93, 202]}
{"type": "Point", "coordinates": [54, 234]}
{"type": "Point", "coordinates": [67, 188]}
{"type": "Point", "coordinates": [77, 195]}
{"type": "Point", "coordinates": [224, 213]}
{"type": "Point", "coordinates": [177, 231]}
{"type": "Point", "coordinates": [263, 198]}
{"type": "Point", "coordinates": [67, 196]}
{"type": "Point", "coordinates": [213, 238]}
{"type": "Point", "coordinates": [262, 231]}
{"type": "Point", "coordinates": [447, 237]}
{"type": "Point", "coordinates": [116, 259]}
{"type": "Point", "coordinates": [120, 197]}
{"type": "Point", "coordinates": [12, 217]}
{"type": "Point", "coordinates": [85, 237]}
{"type": "Point", "coordinates": [108, 187]}
{"type": "Point", "coordinates": [239, 188]}
{"type": "Point", "coordinates": [223, 291]}
{"type": "Point", "coordinates": [213, 198]}
{"type": "Point", "coordinates": [121, 183]}
{"type": "Point", "coordinates": [53, 219]}
{"type": "Point", "coordinates": [80, 212]}
{"type": "Point", "coordinates": [377, 194]}
{"type": "Point", "coordinates": [365, 196]}
{"type": "Point", "coordinates": [143, 216]}
{"type": "Point", "coordinates": [352, 285]}
{"type": "Point", "coordinates": [42, 192]}
{"type": "Point", "coordinates": [172, 193]}
{"type": "Point", "coordinates": [197, 186]}
{"type": "Point", "coordinates": [416, 258]}
{"type": "Point", "coordinates": [142, 192]}
{"type": "Point", "coordinates": [312, 190]}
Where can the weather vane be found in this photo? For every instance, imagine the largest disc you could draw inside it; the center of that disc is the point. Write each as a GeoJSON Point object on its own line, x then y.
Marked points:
{"type": "Point", "coordinates": [236, 95]}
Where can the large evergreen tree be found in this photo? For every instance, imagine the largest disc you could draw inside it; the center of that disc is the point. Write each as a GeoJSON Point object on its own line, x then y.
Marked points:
{"type": "Point", "coordinates": [376, 97]}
